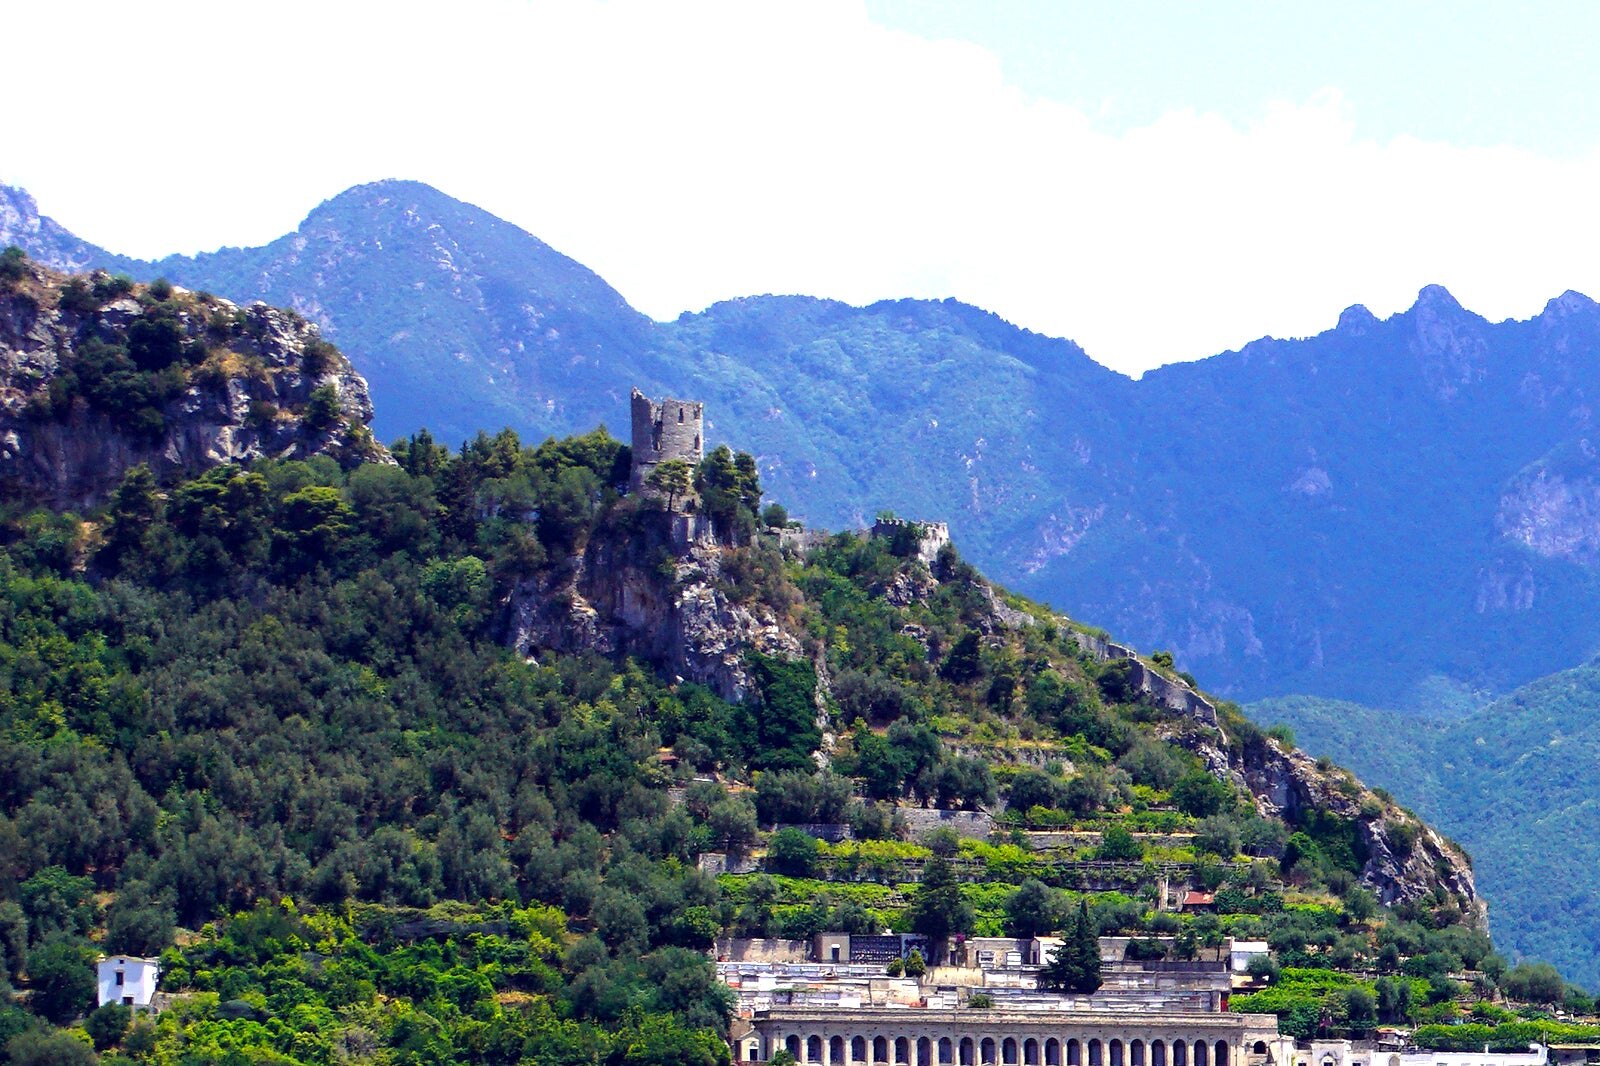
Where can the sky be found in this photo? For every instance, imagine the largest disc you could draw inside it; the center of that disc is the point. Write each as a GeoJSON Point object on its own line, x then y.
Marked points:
{"type": "Point", "coordinates": [1156, 181]}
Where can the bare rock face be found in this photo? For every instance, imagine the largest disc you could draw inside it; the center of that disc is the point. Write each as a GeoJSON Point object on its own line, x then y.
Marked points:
{"type": "Point", "coordinates": [650, 591]}
{"type": "Point", "coordinates": [1406, 861]}
{"type": "Point", "coordinates": [1555, 513]}
{"type": "Point", "coordinates": [76, 412]}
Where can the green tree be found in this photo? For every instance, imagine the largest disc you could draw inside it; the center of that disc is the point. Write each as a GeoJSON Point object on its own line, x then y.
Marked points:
{"type": "Point", "coordinates": [1534, 982]}
{"type": "Point", "coordinates": [38, 1047]}
{"type": "Point", "coordinates": [792, 851]}
{"type": "Point", "coordinates": [1200, 794]}
{"type": "Point", "coordinates": [937, 909]}
{"type": "Point", "coordinates": [1032, 910]}
{"type": "Point", "coordinates": [1361, 1007]}
{"type": "Point", "coordinates": [107, 1024]}
{"type": "Point", "coordinates": [1119, 845]}
{"type": "Point", "coordinates": [323, 409]}
{"type": "Point", "coordinates": [13, 264]}
{"type": "Point", "coordinates": [672, 478]}
{"type": "Point", "coordinates": [63, 977]}
{"type": "Point", "coordinates": [1075, 965]}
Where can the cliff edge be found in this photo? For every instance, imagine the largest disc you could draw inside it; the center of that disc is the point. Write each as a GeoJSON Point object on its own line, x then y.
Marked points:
{"type": "Point", "coordinates": [99, 374]}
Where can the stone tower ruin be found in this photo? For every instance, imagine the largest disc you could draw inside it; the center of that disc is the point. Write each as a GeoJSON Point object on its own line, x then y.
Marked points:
{"type": "Point", "coordinates": [669, 429]}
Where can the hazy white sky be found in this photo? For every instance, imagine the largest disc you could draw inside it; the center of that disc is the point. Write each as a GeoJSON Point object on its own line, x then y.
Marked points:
{"type": "Point", "coordinates": [1155, 181]}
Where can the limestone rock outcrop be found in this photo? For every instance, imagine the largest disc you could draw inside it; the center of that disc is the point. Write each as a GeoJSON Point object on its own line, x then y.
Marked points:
{"type": "Point", "coordinates": [651, 588]}
{"type": "Point", "coordinates": [76, 413]}
{"type": "Point", "coordinates": [1405, 860]}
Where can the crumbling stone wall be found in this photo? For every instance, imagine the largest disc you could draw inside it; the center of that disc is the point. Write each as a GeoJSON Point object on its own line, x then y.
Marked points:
{"type": "Point", "coordinates": [931, 536]}
{"type": "Point", "coordinates": [1147, 681]}
{"type": "Point", "coordinates": [668, 429]}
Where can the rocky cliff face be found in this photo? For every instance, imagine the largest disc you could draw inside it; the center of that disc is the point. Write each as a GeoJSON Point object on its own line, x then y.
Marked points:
{"type": "Point", "coordinates": [1404, 859]}
{"type": "Point", "coordinates": [98, 376]}
{"type": "Point", "coordinates": [651, 586]}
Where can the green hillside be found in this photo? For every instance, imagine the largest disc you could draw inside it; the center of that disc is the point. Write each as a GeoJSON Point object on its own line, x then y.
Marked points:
{"type": "Point", "coordinates": [1512, 781]}
{"type": "Point", "coordinates": [266, 722]}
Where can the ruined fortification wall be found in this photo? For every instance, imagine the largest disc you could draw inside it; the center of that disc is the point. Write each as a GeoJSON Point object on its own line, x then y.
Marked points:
{"type": "Point", "coordinates": [931, 536]}
{"type": "Point", "coordinates": [1163, 690]}
{"type": "Point", "coordinates": [668, 429]}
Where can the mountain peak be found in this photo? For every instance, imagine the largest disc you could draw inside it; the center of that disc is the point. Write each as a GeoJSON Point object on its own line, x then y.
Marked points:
{"type": "Point", "coordinates": [46, 240]}
{"type": "Point", "coordinates": [1570, 302]}
{"type": "Point", "coordinates": [1436, 298]}
{"type": "Point", "coordinates": [1356, 319]}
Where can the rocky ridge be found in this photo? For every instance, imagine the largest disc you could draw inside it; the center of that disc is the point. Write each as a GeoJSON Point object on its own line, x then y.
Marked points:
{"type": "Point", "coordinates": [98, 375]}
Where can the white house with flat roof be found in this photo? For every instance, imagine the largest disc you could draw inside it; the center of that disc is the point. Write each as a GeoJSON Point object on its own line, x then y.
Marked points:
{"type": "Point", "coordinates": [128, 980]}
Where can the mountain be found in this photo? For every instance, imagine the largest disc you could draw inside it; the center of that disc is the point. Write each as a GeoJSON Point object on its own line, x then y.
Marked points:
{"type": "Point", "coordinates": [472, 756]}
{"type": "Point", "coordinates": [1512, 781]}
{"type": "Point", "coordinates": [1386, 510]}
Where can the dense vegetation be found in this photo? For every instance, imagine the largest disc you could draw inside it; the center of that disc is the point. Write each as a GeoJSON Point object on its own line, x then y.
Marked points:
{"type": "Point", "coordinates": [261, 722]}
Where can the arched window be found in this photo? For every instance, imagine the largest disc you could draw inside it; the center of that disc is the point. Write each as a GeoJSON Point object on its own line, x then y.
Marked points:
{"type": "Point", "coordinates": [1220, 1054]}
{"type": "Point", "coordinates": [880, 1049]}
{"type": "Point", "coordinates": [1096, 1054]}
{"type": "Point", "coordinates": [1158, 1053]}
{"type": "Point", "coordinates": [902, 1049]}
{"type": "Point", "coordinates": [858, 1049]}
{"type": "Point", "coordinates": [1074, 1053]}
{"type": "Point", "coordinates": [1008, 1051]}
{"type": "Point", "coordinates": [1030, 1052]}
{"type": "Point", "coordinates": [814, 1049]}
{"type": "Point", "coordinates": [1136, 1053]}
{"type": "Point", "coordinates": [986, 1051]}
{"type": "Point", "coordinates": [1052, 1052]}
{"type": "Point", "coordinates": [1116, 1053]}
{"type": "Point", "coordinates": [947, 1052]}
{"type": "Point", "coordinates": [1180, 1053]}
{"type": "Point", "coordinates": [1202, 1056]}
{"type": "Point", "coordinates": [966, 1051]}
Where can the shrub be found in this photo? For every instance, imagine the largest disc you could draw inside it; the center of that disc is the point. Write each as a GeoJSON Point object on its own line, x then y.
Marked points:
{"type": "Point", "coordinates": [320, 357]}
{"type": "Point", "coordinates": [323, 408]}
{"type": "Point", "coordinates": [792, 851]}
{"type": "Point", "coordinates": [13, 264]}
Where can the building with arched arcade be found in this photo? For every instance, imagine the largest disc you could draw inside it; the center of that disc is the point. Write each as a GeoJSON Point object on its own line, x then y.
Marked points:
{"type": "Point", "coordinates": [908, 1036]}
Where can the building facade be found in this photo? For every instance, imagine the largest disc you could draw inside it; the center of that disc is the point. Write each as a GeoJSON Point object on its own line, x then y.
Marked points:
{"type": "Point", "coordinates": [128, 980]}
{"type": "Point", "coordinates": [1039, 1037]}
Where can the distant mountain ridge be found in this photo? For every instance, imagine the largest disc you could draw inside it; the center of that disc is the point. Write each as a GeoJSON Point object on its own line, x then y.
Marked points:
{"type": "Point", "coordinates": [1350, 514]}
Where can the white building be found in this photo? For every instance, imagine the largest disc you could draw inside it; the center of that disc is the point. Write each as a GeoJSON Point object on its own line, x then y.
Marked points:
{"type": "Point", "coordinates": [1242, 951]}
{"type": "Point", "coordinates": [128, 980]}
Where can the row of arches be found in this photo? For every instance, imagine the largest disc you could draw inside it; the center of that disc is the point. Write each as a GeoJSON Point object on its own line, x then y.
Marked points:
{"type": "Point", "coordinates": [1004, 1051]}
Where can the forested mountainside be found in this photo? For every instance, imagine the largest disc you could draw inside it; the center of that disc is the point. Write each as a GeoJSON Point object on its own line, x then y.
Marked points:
{"type": "Point", "coordinates": [267, 721]}
{"type": "Point", "coordinates": [1512, 781]}
{"type": "Point", "coordinates": [1387, 510]}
